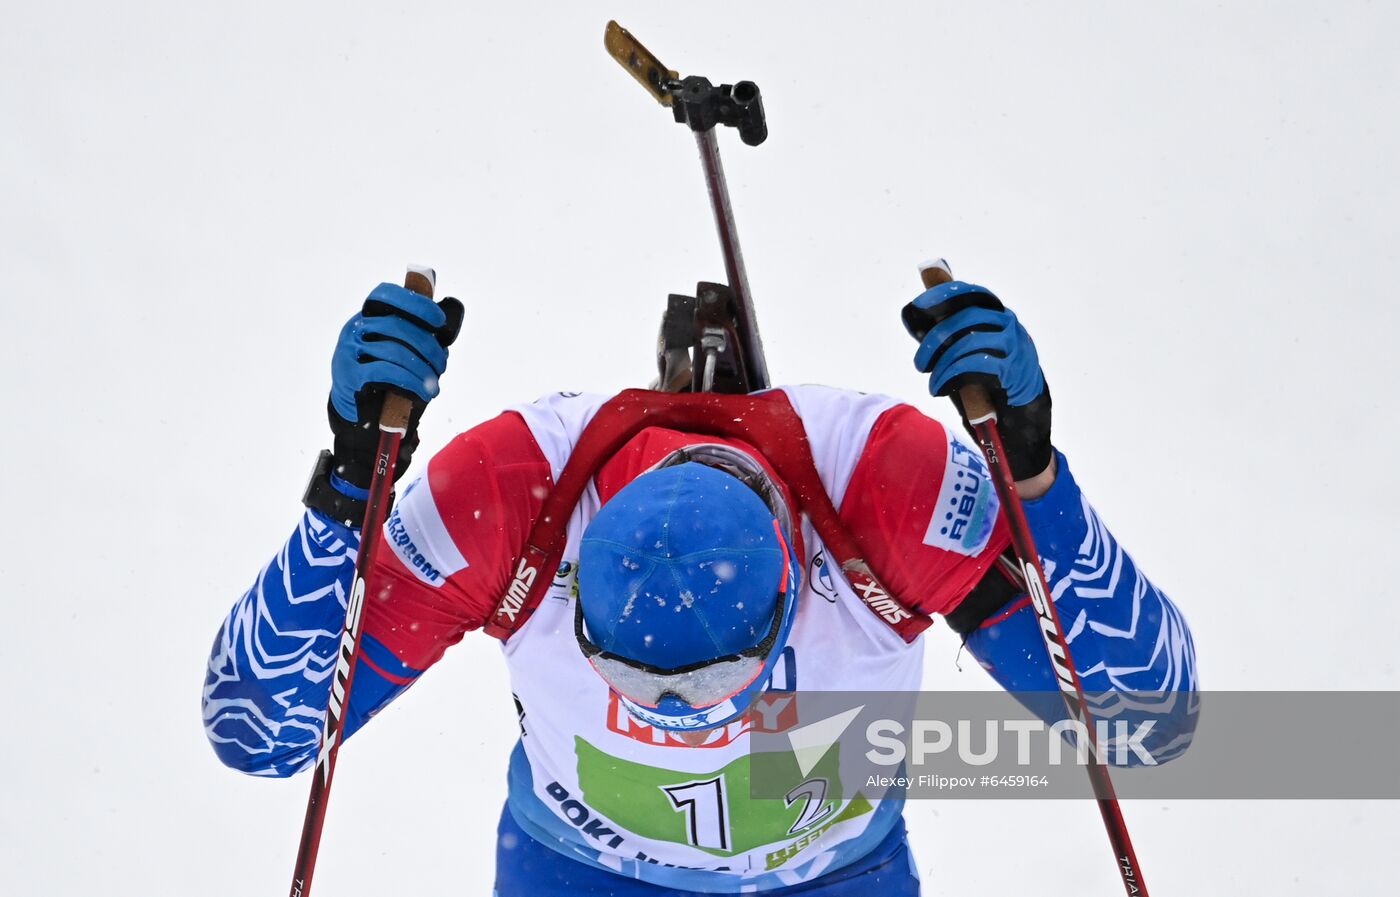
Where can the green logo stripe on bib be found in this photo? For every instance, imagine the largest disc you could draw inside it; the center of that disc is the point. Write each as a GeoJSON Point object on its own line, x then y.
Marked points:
{"type": "Point", "coordinates": [712, 811]}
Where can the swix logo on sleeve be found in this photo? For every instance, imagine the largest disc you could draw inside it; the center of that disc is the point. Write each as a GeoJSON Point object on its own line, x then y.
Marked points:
{"type": "Point", "coordinates": [879, 600]}
{"type": "Point", "coordinates": [415, 532]}
{"type": "Point", "coordinates": [967, 505]}
{"type": "Point", "coordinates": [518, 590]}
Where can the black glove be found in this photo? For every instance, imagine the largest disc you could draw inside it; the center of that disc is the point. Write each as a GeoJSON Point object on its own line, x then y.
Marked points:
{"type": "Point", "coordinates": [967, 336]}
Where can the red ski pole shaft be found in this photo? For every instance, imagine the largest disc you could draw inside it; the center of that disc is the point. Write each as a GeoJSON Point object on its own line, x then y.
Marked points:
{"type": "Point", "coordinates": [982, 416]}
{"type": "Point", "coordinates": [393, 425]}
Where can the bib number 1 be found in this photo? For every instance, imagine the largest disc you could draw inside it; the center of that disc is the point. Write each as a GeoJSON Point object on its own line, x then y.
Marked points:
{"type": "Point", "coordinates": [706, 809]}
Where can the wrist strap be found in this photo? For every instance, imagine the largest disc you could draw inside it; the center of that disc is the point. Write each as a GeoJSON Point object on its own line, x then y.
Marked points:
{"type": "Point", "coordinates": [322, 495]}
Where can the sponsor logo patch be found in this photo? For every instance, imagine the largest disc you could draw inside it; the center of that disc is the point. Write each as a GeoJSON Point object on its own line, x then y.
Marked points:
{"type": "Point", "coordinates": [819, 577]}
{"type": "Point", "coordinates": [775, 710]}
{"type": "Point", "coordinates": [409, 552]}
{"type": "Point", "coordinates": [518, 590]}
{"type": "Point", "coordinates": [624, 723]}
{"type": "Point", "coordinates": [879, 600]}
{"type": "Point", "coordinates": [967, 505]}
{"type": "Point", "coordinates": [416, 534]}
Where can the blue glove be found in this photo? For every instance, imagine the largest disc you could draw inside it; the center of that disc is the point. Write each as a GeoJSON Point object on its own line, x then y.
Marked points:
{"type": "Point", "coordinates": [398, 340]}
{"type": "Point", "coordinates": [393, 342]}
{"type": "Point", "coordinates": [967, 336]}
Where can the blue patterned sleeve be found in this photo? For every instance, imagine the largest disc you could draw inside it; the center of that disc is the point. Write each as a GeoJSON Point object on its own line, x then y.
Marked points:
{"type": "Point", "coordinates": [269, 673]}
{"type": "Point", "coordinates": [1130, 644]}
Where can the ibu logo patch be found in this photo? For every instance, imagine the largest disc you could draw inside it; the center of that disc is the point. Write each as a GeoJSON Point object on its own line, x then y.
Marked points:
{"type": "Point", "coordinates": [967, 504]}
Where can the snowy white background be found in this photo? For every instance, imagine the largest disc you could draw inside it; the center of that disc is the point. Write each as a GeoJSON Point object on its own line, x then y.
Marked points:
{"type": "Point", "coordinates": [1194, 210]}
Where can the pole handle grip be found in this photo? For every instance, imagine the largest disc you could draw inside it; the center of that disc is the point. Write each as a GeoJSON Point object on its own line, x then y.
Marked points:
{"type": "Point", "coordinates": [398, 408]}
{"type": "Point", "coordinates": [977, 404]}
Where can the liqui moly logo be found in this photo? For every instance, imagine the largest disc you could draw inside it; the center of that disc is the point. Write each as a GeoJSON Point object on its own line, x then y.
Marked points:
{"type": "Point", "coordinates": [341, 682]}
{"type": "Point", "coordinates": [773, 711]}
{"type": "Point", "coordinates": [624, 723]}
{"type": "Point", "coordinates": [518, 590]}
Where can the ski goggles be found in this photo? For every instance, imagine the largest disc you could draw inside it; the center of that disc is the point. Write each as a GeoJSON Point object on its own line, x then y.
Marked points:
{"type": "Point", "coordinates": [701, 684]}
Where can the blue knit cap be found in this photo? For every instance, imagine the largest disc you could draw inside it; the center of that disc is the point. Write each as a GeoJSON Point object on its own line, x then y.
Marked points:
{"type": "Point", "coordinates": [681, 566]}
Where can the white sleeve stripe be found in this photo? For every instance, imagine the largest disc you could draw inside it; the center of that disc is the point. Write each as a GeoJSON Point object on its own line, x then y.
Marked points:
{"type": "Point", "coordinates": [416, 534]}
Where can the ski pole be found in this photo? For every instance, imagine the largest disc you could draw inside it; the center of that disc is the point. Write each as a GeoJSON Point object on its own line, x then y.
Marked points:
{"type": "Point", "coordinates": [982, 417]}
{"type": "Point", "coordinates": [393, 425]}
